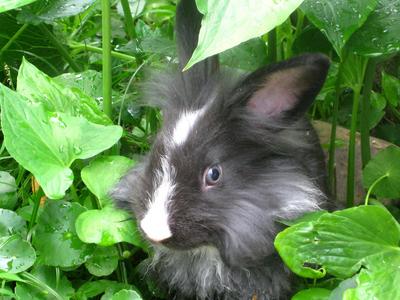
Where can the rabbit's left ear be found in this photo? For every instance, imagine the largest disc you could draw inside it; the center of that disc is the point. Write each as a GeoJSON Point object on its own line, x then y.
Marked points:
{"type": "Point", "coordinates": [287, 89]}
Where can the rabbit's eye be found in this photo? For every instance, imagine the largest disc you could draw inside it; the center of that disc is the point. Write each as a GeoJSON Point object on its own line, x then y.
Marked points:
{"type": "Point", "coordinates": [213, 175]}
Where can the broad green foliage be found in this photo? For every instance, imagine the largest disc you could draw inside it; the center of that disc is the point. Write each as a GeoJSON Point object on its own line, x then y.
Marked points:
{"type": "Point", "coordinates": [16, 254]}
{"type": "Point", "coordinates": [11, 223]}
{"type": "Point", "coordinates": [229, 23]}
{"type": "Point", "coordinates": [312, 294]}
{"type": "Point", "coordinates": [380, 33]}
{"type": "Point", "coordinates": [107, 226]}
{"type": "Point", "coordinates": [56, 239]}
{"type": "Point", "coordinates": [103, 261]}
{"type": "Point", "coordinates": [391, 89]}
{"type": "Point", "coordinates": [384, 171]}
{"type": "Point", "coordinates": [341, 243]}
{"type": "Point", "coordinates": [12, 4]}
{"type": "Point", "coordinates": [8, 191]}
{"type": "Point", "coordinates": [46, 137]}
{"type": "Point", "coordinates": [45, 11]}
{"type": "Point", "coordinates": [126, 295]}
{"type": "Point", "coordinates": [338, 19]}
{"type": "Point", "coordinates": [103, 173]}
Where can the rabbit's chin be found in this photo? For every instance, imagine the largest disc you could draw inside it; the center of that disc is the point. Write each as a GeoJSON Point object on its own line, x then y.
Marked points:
{"type": "Point", "coordinates": [202, 273]}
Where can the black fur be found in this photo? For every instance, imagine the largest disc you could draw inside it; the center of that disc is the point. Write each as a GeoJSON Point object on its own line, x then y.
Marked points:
{"type": "Point", "coordinates": [273, 168]}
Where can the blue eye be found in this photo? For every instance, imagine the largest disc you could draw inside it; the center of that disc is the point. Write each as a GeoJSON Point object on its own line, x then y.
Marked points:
{"type": "Point", "coordinates": [213, 175]}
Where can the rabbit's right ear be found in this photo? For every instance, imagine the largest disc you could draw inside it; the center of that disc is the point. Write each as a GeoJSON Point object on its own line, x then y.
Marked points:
{"type": "Point", "coordinates": [188, 23]}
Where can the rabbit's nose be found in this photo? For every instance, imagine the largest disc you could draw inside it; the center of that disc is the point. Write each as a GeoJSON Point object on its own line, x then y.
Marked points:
{"type": "Point", "coordinates": [155, 228]}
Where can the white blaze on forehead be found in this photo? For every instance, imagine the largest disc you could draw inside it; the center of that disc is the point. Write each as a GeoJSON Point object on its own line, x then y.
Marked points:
{"type": "Point", "coordinates": [185, 124]}
{"type": "Point", "coordinates": [155, 222]}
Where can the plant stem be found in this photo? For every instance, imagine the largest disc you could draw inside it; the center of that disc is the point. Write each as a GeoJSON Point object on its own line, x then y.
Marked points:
{"type": "Point", "coordinates": [371, 188]}
{"type": "Point", "coordinates": [299, 23]}
{"type": "Point", "coordinates": [13, 38]}
{"type": "Point", "coordinates": [365, 107]}
{"type": "Point", "coordinates": [80, 46]}
{"type": "Point", "coordinates": [74, 193]}
{"type": "Point", "coordinates": [121, 265]}
{"type": "Point", "coordinates": [129, 27]}
{"type": "Point", "coordinates": [332, 144]}
{"type": "Point", "coordinates": [352, 149]}
{"type": "Point", "coordinates": [272, 54]}
{"type": "Point", "coordinates": [106, 42]}
{"type": "Point", "coordinates": [35, 282]}
{"type": "Point", "coordinates": [60, 47]}
{"type": "Point", "coordinates": [35, 210]}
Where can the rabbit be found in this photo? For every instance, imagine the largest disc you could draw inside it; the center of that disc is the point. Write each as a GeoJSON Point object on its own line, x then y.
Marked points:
{"type": "Point", "coordinates": [234, 157]}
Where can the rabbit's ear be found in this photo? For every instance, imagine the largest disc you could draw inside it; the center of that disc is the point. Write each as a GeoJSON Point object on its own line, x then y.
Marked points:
{"type": "Point", "coordinates": [287, 89]}
{"type": "Point", "coordinates": [188, 23]}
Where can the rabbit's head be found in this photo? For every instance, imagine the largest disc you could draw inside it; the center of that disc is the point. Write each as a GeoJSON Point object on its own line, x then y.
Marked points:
{"type": "Point", "coordinates": [233, 157]}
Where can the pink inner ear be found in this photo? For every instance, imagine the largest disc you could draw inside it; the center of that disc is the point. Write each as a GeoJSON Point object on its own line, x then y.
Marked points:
{"type": "Point", "coordinates": [277, 94]}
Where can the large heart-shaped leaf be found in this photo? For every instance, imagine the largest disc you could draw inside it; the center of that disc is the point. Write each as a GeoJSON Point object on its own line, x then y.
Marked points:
{"type": "Point", "coordinates": [11, 223]}
{"type": "Point", "coordinates": [103, 261]}
{"type": "Point", "coordinates": [338, 20]}
{"type": "Point", "coordinates": [38, 87]}
{"type": "Point", "coordinates": [380, 33]}
{"type": "Point", "coordinates": [16, 254]}
{"type": "Point", "coordinates": [312, 294]}
{"type": "Point", "coordinates": [103, 173]}
{"type": "Point", "coordinates": [95, 288]}
{"type": "Point", "coordinates": [47, 143]}
{"type": "Point", "coordinates": [8, 191]}
{"type": "Point", "coordinates": [55, 238]}
{"type": "Point", "coordinates": [385, 164]}
{"type": "Point", "coordinates": [339, 242]}
{"type": "Point", "coordinates": [12, 4]}
{"type": "Point", "coordinates": [107, 227]}
{"type": "Point", "coordinates": [227, 23]}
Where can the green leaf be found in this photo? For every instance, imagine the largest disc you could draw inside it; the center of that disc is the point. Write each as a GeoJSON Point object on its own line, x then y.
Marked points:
{"type": "Point", "coordinates": [55, 238]}
{"type": "Point", "coordinates": [44, 285]}
{"type": "Point", "coordinates": [107, 227]}
{"type": "Point", "coordinates": [6, 291]}
{"type": "Point", "coordinates": [103, 261]}
{"type": "Point", "coordinates": [228, 23]}
{"type": "Point", "coordinates": [48, 11]}
{"type": "Point", "coordinates": [248, 56]}
{"type": "Point", "coordinates": [95, 288]}
{"type": "Point", "coordinates": [103, 173]}
{"type": "Point", "coordinates": [380, 33]}
{"type": "Point", "coordinates": [126, 295]}
{"type": "Point", "coordinates": [391, 88]}
{"type": "Point", "coordinates": [339, 242]}
{"type": "Point", "coordinates": [386, 162]}
{"type": "Point", "coordinates": [8, 189]}
{"type": "Point", "coordinates": [11, 223]}
{"type": "Point", "coordinates": [312, 294]}
{"type": "Point", "coordinates": [338, 292]}
{"type": "Point", "coordinates": [338, 20]}
{"type": "Point", "coordinates": [16, 254]}
{"type": "Point", "coordinates": [12, 4]}
{"type": "Point", "coordinates": [47, 143]}
{"type": "Point", "coordinates": [38, 87]}
{"type": "Point", "coordinates": [379, 281]}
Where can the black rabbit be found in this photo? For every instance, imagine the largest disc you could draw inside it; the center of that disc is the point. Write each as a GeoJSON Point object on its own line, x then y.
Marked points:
{"type": "Point", "coordinates": [233, 158]}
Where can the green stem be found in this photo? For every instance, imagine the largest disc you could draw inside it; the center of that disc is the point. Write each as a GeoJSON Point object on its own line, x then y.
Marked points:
{"type": "Point", "coordinates": [365, 108]}
{"type": "Point", "coordinates": [60, 47]}
{"type": "Point", "coordinates": [13, 38]}
{"type": "Point", "coordinates": [122, 266]}
{"type": "Point", "coordinates": [371, 188]}
{"type": "Point", "coordinates": [332, 144]}
{"type": "Point", "coordinates": [35, 282]}
{"type": "Point", "coordinates": [129, 26]}
{"type": "Point", "coordinates": [35, 210]}
{"type": "Point", "coordinates": [57, 277]}
{"type": "Point", "coordinates": [74, 193]}
{"type": "Point", "coordinates": [83, 47]}
{"type": "Point", "coordinates": [299, 23]}
{"type": "Point", "coordinates": [272, 54]}
{"type": "Point", "coordinates": [352, 149]}
{"type": "Point", "coordinates": [106, 41]}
